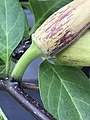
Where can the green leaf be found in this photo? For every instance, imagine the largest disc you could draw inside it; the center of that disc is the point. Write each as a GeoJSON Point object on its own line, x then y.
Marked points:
{"type": "Point", "coordinates": [26, 5]}
{"type": "Point", "coordinates": [2, 70]}
{"type": "Point", "coordinates": [11, 28]}
{"type": "Point", "coordinates": [65, 92]}
{"type": "Point", "coordinates": [26, 30]}
{"type": "Point", "coordinates": [3, 66]}
{"type": "Point", "coordinates": [2, 115]}
{"type": "Point", "coordinates": [42, 9]}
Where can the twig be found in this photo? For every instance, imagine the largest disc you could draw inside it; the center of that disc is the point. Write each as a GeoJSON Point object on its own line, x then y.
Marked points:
{"type": "Point", "coordinates": [27, 101]}
{"type": "Point", "coordinates": [2, 85]}
{"type": "Point", "coordinates": [28, 85]}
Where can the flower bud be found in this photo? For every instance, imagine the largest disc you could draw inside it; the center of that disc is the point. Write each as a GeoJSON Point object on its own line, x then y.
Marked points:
{"type": "Point", "coordinates": [63, 27]}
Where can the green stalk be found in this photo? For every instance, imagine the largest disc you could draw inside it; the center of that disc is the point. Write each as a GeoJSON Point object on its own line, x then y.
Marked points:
{"type": "Point", "coordinates": [32, 52]}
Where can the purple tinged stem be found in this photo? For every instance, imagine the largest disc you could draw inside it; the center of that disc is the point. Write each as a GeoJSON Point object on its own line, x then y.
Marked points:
{"type": "Point", "coordinates": [25, 100]}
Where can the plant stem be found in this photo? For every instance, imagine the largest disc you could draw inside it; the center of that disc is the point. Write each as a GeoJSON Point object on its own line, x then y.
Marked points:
{"type": "Point", "coordinates": [2, 85]}
{"type": "Point", "coordinates": [31, 53]}
{"type": "Point", "coordinates": [28, 85]}
{"type": "Point", "coordinates": [28, 102]}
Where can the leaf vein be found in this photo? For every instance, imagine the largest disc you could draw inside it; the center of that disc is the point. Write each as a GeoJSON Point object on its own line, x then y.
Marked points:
{"type": "Point", "coordinates": [59, 102]}
{"type": "Point", "coordinates": [6, 39]}
{"type": "Point", "coordinates": [14, 24]}
{"type": "Point", "coordinates": [50, 89]}
{"type": "Point", "coordinates": [82, 101]}
{"type": "Point", "coordinates": [76, 85]}
{"type": "Point", "coordinates": [68, 93]}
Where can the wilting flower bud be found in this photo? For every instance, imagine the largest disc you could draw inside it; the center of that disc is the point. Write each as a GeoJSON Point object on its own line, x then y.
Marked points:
{"type": "Point", "coordinates": [63, 27]}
